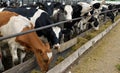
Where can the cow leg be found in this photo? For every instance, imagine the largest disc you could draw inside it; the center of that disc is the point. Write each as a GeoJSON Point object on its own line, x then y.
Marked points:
{"type": "Point", "coordinates": [1, 65]}
{"type": "Point", "coordinates": [81, 26]}
{"type": "Point", "coordinates": [22, 56]}
{"type": "Point", "coordinates": [13, 50]}
{"type": "Point", "coordinates": [85, 26]}
{"type": "Point", "coordinates": [78, 27]}
{"type": "Point", "coordinates": [21, 53]}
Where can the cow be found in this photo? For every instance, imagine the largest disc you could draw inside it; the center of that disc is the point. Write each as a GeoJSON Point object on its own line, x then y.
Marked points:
{"type": "Point", "coordinates": [62, 13]}
{"type": "Point", "coordinates": [101, 8]}
{"type": "Point", "coordinates": [12, 23]}
{"type": "Point", "coordinates": [59, 12]}
{"type": "Point", "coordinates": [115, 8]}
{"type": "Point", "coordinates": [79, 10]}
{"type": "Point", "coordinates": [109, 13]}
{"type": "Point", "coordinates": [40, 18]}
{"type": "Point", "coordinates": [3, 4]}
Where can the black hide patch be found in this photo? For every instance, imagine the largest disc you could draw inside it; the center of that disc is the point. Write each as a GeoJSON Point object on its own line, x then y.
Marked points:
{"type": "Point", "coordinates": [22, 11]}
{"type": "Point", "coordinates": [96, 5]}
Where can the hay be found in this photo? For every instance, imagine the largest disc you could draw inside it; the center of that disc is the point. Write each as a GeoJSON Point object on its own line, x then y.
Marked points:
{"type": "Point", "coordinates": [35, 71]}
{"type": "Point", "coordinates": [59, 59]}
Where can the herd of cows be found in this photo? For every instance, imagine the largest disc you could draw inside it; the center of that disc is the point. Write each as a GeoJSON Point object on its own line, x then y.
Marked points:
{"type": "Point", "coordinates": [24, 18]}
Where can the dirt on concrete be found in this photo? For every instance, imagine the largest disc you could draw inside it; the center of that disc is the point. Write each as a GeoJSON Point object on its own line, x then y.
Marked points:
{"type": "Point", "coordinates": [102, 57]}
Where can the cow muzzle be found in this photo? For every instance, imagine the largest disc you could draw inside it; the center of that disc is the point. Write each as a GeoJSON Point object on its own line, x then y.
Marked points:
{"type": "Point", "coordinates": [57, 46]}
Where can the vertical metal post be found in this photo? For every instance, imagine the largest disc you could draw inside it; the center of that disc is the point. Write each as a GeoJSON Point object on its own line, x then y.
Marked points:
{"type": "Point", "coordinates": [22, 2]}
{"type": "Point", "coordinates": [28, 2]}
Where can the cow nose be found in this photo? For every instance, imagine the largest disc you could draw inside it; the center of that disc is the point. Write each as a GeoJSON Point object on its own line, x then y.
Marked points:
{"type": "Point", "coordinates": [96, 28]}
{"type": "Point", "coordinates": [89, 14]}
{"type": "Point", "coordinates": [56, 46]}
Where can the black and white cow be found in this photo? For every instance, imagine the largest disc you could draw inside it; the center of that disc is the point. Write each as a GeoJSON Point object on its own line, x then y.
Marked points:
{"type": "Point", "coordinates": [109, 13]}
{"type": "Point", "coordinates": [80, 9]}
{"type": "Point", "coordinates": [59, 12]}
{"type": "Point", "coordinates": [115, 7]}
{"type": "Point", "coordinates": [40, 18]}
{"type": "Point", "coordinates": [100, 9]}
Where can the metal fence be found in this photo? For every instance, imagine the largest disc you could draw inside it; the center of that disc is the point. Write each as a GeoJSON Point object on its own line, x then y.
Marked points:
{"type": "Point", "coordinates": [31, 1]}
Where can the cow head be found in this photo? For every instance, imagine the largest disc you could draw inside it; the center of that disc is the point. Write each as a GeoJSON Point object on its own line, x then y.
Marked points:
{"type": "Point", "coordinates": [68, 10]}
{"type": "Point", "coordinates": [56, 37]}
{"type": "Point", "coordinates": [62, 12]}
{"type": "Point", "coordinates": [85, 8]}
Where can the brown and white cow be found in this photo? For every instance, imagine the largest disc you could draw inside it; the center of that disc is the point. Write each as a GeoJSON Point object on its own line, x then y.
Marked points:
{"type": "Point", "coordinates": [12, 23]}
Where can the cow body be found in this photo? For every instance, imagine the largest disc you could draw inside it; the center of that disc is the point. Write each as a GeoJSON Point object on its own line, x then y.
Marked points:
{"type": "Point", "coordinates": [39, 18]}
{"type": "Point", "coordinates": [100, 9]}
{"type": "Point", "coordinates": [108, 14]}
{"type": "Point", "coordinates": [13, 23]}
{"type": "Point", "coordinates": [79, 10]}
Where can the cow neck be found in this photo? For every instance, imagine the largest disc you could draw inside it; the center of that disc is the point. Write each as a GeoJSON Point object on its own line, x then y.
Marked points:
{"type": "Point", "coordinates": [31, 40]}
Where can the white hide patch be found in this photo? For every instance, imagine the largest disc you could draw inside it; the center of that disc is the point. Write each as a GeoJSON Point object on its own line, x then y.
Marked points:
{"type": "Point", "coordinates": [105, 6]}
{"type": "Point", "coordinates": [56, 30]}
{"type": "Point", "coordinates": [85, 7]}
{"type": "Point", "coordinates": [28, 8]}
{"type": "Point", "coordinates": [18, 22]}
{"type": "Point", "coordinates": [55, 11]}
{"type": "Point", "coordinates": [96, 28]}
{"type": "Point", "coordinates": [93, 2]}
{"type": "Point", "coordinates": [69, 10]}
{"type": "Point", "coordinates": [49, 55]}
{"type": "Point", "coordinates": [1, 9]}
{"type": "Point", "coordinates": [56, 45]}
{"type": "Point", "coordinates": [35, 16]}
{"type": "Point", "coordinates": [49, 3]}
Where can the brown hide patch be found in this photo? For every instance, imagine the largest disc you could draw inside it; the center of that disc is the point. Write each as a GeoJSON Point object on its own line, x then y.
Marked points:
{"type": "Point", "coordinates": [30, 39]}
{"type": "Point", "coordinates": [24, 39]}
{"type": "Point", "coordinates": [5, 17]}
